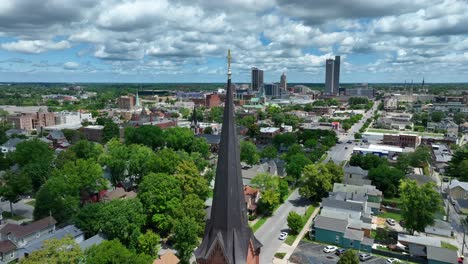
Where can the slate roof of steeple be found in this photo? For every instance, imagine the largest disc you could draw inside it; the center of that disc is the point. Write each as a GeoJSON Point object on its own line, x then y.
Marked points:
{"type": "Point", "coordinates": [228, 228]}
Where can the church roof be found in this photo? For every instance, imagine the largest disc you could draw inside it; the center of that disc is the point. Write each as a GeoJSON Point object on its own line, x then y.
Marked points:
{"type": "Point", "coordinates": [228, 229]}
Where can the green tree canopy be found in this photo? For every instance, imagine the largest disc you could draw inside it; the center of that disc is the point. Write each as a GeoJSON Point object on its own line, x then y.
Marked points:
{"type": "Point", "coordinates": [56, 251]}
{"type": "Point", "coordinates": [85, 149]}
{"type": "Point", "coordinates": [458, 165]}
{"type": "Point", "coordinates": [295, 222]}
{"type": "Point", "coordinates": [437, 116]}
{"type": "Point", "coordinates": [249, 153]}
{"type": "Point", "coordinates": [418, 205]}
{"type": "Point", "coordinates": [295, 166]}
{"type": "Point", "coordinates": [160, 195]}
{"type": "Point", "coordinates": [116, 159]}
{"type": "Point", "coordinates": [185, 237]}
{"type": "Point", "coordinates": [190, 180]}
{"type": "Point", "coordinates": [386, 179]}
{"type": "Point", "coordinates": [317, 182]}
{"type": "Point", "coordinates": [150, 136]}
{"type": "Point", "coordinates": [113, 252]}
{"type": "Point", "coordinates": [148, 243]}
{"type": "Point", "coordinates": [349, 257]}
{"type": "Point", "coordinates": [13, 186]}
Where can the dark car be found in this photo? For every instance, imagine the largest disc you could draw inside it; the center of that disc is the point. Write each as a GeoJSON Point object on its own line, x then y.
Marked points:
{"type": "Point", "coordinates": [349, 142]}
{"type": "Point", "coordinates": [446, 179]}
{"type": "Point", "coordinates": [340, 251]}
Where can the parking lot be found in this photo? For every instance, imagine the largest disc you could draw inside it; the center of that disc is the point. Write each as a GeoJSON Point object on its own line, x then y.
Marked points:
{"type": "Point", "coordinates": [312, 253]}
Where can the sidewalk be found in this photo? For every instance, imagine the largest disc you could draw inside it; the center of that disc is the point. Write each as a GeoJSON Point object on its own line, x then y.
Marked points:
{"type": "Point", "coordinates": [289, 250]}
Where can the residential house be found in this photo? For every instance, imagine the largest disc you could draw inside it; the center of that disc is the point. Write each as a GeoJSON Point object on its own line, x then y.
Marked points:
{"type": "Point", "coordinates": [167, 258]}
{"type": "Point", "coordinates": [267, 134]}
{"type": "Point", "coordinates": [341, 233]}
{"type": "Point", "coordinates": [58, 139]}
{"type": "Point", "coordinates": [18, 241]}
{"type": "Point", "coordinates": [355, 175]}
{"type": "Point", "coordinates": [14, 132]}
{"type": "Point", "coordinates": [458, 190]}
{"type": "Point", "coordinates": [118, 193]}
{"type": "Point", "coordinates": [252, 196]}
{"type": "Point", "coordinates": [441, 155]}
{"type": "Point", "coordinates": [420, 178]}
{"type": "Point", "coordinates": [10, 145]}
{"type": "Point", "coordinates": [94, 240]}
{"type": "Point", "coordinates": [438, 255]}
{"type": "Point", "coordinates": [372, 196]}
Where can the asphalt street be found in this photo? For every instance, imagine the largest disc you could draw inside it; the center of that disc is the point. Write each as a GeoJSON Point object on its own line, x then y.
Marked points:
{"type": "Point", "coordinates": [268, 234]}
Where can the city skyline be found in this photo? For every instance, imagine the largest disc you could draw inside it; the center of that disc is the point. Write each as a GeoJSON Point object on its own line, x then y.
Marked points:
{"type": "Point", "coordinates": [184, 41]}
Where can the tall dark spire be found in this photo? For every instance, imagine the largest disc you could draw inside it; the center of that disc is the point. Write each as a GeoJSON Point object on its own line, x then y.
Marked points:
{"type": "Point", "coordinates": [228, 237]}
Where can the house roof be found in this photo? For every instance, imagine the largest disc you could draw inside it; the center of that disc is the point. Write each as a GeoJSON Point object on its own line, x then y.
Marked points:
{"type": "Point", "coordinates": [442, 254]}
{"type": "Point", "coordinates": [355, 170]}
{"type": "Point", "coordinates": [420, 240]}
{"type": "Point", "coordinates": [12, 142]}
{"type": "Point", "coordinates": [22, 231]}
{"type": "Point", "coordinates": [367, 189]}
{"type": "Point", "coordinates": [330, 202]}
{"type": "Point", "coordinates": [250, 190]}
{"type": "Point", "coordinates": [94, 240]}
{"type": "Point", "coordinates": [167, 258]}
{"type": "Point", "coordinates": [462, 203]}
{"type": "Point", "coordinates": [456, 183]}
{"type": "Point", "coordinates": [6, 246]}
{"type": "Point", "coordinates": [332, 224]}
{"type": "Point", "coordinates": [420, 179]}
{"type": "Point", "coordinates": [119, 193]}
{"type": "Point", "coordinates": [211, 139]}
{"type": "Point", "coordinates": [354, 234]}
{"type": "Point", "coordinates": [37, 243]}
{"type": "Point", "coordinates": [56, 134]}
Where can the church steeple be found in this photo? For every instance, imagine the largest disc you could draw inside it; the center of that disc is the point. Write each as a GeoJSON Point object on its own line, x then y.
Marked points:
{"type": "Point", "coordinates": [194, 124]}
{"type": "Point", "coordinates": [228, 237]}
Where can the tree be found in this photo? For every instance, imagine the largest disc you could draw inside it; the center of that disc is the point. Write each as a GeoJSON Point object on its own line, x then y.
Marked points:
{"type": "Point", "coordinates": [269, 188]}
{"type": "Point", "coordinates": [190, 180]}
{"type": "Point", "coordinates": [335, 170]}
{"type": "Point", "coordinates": [160, 195]}
{"type": "Point", "coordinates": [283, 189]}
{"type": "Point", "coordinates": [317, 182]}
{"type": "Point", "coordinates": [249, 153]}
{"type": "Point", "coordinates": [418, 205]}
{"type": "Point", "coordinates": [35, 159]}
{"type": "Point", "coordinates": [73, 135]}
{"type": "Point", "coordinates": [458, 165]}
{"type": "Point", "coordinates": [85, 149]}
{"type": "Point", "coordinates": [367, 162]}
{"type": "Point", "coordinates": [116, 159]}
{"type": "Point", "coordinates": [142, 160]}
{"type": "Point", "coordinates": [270, 199]}
{"type": "Point", "coordinates": [216, 114]}
{"type": "Point", "coordinates": [437, 116]}
{"type": "Point", "coordinates": [185, 237]}
{"type": "Point", "coordinates": [14, 185]}
{"type": "Point", "coordinates": [166, 161]}
{"type": "Point", "coordinates": [112, 251]}
{"type": "Point", "coordinates": [60, 195]}
{"type": "Point", "coordinates": [148, 243]}
{"type": "Point", "coordinates": [269, 152]}
{"type": "Point", "coordinates": [285, 140]}
{"type": "Point", "coordinates": [199, 145]}
{"type": "Point", "coordinates": [178, 138]}
{"type": "Point", "coordinates": [295, 222]}
{"type": "Point", "coordinates": [357, 135]}
{"type": "Point", "coordinates": [459, 118]}
{"type": "Point", "coordinates": [349, 257]}
{"type": "Point", "coordinates": [420, 156]}
{"type": "Point", "coordinates": [151, 136]}
{"type": "Point", "coordinates": [386, 179]}
{"type": "Point", "coordinates": [56, 251]}
{"type": "Point", "coordinates": [194, 207]}
{"type": "Point", "coordinates": [296, 165]}
{"type": "Point", "coordinates": [110, 130]}
{"type": "Point", "coordinates": [208, 130]}
{"type": "Point", "coordinates": [346, 126]}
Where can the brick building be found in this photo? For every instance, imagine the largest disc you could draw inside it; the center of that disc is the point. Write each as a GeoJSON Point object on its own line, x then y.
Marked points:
{"type": "Point", "coordinates": [402, 140]}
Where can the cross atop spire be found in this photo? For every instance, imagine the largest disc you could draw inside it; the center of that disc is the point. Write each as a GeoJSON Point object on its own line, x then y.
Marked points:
{"type": "Point", "coordinates": [229, 63]}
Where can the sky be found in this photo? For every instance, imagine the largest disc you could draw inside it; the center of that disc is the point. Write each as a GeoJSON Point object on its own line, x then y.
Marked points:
{"type": "Point", "coordinates": [187, 40]}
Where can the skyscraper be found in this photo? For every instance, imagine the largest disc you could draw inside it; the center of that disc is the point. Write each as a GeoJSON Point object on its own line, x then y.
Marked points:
{"type": "Point", "coordinates": [283, 82]}
{"type": "Point", "coordinates": [336, 75]}
{"type": "Point", "coordinates": [332, 76]}
{"type": "Point", "coordinates": [329, 81]}
{"type": "Point", "coordinates": [257, 79]}
{"type": "Point", "coordinates": [228, 237]}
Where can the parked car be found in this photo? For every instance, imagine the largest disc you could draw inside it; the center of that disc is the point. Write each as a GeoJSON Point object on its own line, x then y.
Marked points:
{"type": "Point", "coordinates": [340, 251]}
{"type": "Point", "coordinates": [364, 256]}
{"type": "Point", "coordinates": [283, 235]}
{"type": "Point", "coordinates": [329, 249]}
{"type": "Point", "coordinates": [349, 142]}
{"type": "Point", "coordinates": [345, 147]}
{"type": "Point", "coordinates": [393, 260]}
{"type": "Point", "coordinates": [391, 221]}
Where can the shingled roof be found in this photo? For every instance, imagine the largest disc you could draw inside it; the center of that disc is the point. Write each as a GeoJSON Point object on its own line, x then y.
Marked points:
{"type": "Point", "coordinates": [20, 231]}
{"type": "Point", "coordinates": [228, 229]}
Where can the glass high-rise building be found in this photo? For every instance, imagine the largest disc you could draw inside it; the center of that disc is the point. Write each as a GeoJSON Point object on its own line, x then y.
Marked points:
{"type": "Point", "coordinates": [257, 79]}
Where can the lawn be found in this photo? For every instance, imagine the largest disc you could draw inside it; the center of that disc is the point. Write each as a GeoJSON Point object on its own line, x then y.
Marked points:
{"type": "Point", "coordinates": [280, 255]}
{"type": "Point", "coordinates": [259, 223]}
{"type": "Point", "coordinates": [7, 215]}
{"type": "Point", "coordinates": [32, 203]}
{"type": "Point", "coordinates": [448, 245]}
{"type": "Point", "coordinates": [394, 202]}
{"type": "Point", "coordinates": [396, 216]}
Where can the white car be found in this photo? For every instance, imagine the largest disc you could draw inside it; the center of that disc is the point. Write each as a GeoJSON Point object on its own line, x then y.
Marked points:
{"type": "Point", "coordinates": [391, 221]}
{"type": "Point", "coordinates": [283, 236]}
{"type": "Point", "coordinates": [329, 249]}
{"type": "Point", "coordinates": [393, 260]}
